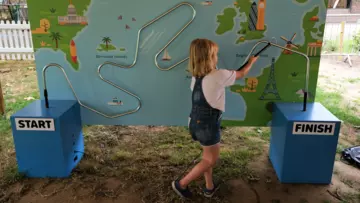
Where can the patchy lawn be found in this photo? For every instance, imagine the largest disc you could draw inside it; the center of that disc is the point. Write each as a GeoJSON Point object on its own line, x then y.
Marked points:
{"type": "Point", "coordinates": [137, 164]}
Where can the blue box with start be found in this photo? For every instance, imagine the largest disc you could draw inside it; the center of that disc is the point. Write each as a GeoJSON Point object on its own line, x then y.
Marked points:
{"type": "Point", "coordinates": [48, 141]}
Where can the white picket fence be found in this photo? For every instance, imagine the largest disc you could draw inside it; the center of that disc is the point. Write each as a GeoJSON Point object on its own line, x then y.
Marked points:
{"type": "Point", "coordinates": [16, 41]}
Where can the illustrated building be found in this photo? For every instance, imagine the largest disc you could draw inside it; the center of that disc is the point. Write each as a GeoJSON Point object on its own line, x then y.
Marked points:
{"type": "Point", "coordinates": [72, 17]}
{"type": "Point", "coordinates": [270, 87]}
{"type": "Point", "coordinates": [312, 48]}
{"type": "Point", "coordinates": [261, 15]}
{"type": "Point", "coordinates": [253, 17]}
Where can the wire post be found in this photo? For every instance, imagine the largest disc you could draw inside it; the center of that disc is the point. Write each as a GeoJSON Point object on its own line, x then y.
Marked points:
{"type": "Point", "coordinates": [45, 88]}
{"type": "Point", "coordinates": [46, 98]}
{"type": "Point", "coordinates": [305, 100]}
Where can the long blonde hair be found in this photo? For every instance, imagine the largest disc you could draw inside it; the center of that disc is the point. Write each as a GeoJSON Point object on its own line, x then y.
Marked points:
{"type": "Point", "coordinates": [202, 56]}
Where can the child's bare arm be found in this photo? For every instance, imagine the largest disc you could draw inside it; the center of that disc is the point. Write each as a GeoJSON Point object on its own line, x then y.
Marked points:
{"type": "Point", "coordinates": [245, 70]}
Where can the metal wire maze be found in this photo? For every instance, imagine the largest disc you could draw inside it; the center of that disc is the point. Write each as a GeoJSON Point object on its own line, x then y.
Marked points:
{"type": "Point", "coordinates": [125, 66]}
{"type": "Point", "coordinates": [161, 50]}
{"type": "Point", "coordinates": [299, 53]}
{"type": "Point", "coordinates": [77, 98]}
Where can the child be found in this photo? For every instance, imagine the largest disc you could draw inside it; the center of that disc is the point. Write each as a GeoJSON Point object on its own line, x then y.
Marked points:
{"type": "Point", "coordinates": [208, 102]}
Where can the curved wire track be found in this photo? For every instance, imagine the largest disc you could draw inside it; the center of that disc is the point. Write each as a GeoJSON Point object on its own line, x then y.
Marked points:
{"type": "Point", "coordinates": [85, 106]}
{"type": "Point", "coordinates": [128, 66]}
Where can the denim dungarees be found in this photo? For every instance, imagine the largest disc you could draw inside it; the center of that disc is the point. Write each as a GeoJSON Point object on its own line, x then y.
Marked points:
{"type": "Point", "coordinates": [204, 125]}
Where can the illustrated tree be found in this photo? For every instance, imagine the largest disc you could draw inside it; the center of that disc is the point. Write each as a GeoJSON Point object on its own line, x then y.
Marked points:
{"type": "Point", "coordinates": [106, 40]}
{"type": "Point", "coordinates": [56, 37]}
{"type": "Point", "coordinates": [52, 10]}
{"type": "Point", "coordinates": [44, 23]}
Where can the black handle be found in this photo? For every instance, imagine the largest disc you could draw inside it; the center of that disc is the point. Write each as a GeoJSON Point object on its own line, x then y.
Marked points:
{"type": "Point", "coordinates": [305, 100]}
{"type": "Point", "coordinates": [257, 54]}
{"type": "Point", "coordinates": [46, 98]}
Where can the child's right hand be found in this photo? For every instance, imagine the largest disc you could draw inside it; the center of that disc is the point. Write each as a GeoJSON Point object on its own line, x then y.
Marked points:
{"type": "Point", "coordinates": [253, 59]}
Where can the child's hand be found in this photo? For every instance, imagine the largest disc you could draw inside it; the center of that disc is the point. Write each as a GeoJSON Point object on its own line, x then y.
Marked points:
{"type": "Point", "coordinates": [253, 59]}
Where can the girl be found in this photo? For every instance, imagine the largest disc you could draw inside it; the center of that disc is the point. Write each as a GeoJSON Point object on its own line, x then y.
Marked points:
{"type": "Point", "coordinates": [208, 102]}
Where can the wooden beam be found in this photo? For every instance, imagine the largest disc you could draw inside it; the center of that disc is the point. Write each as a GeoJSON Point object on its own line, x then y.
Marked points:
{"type": "Point", "coordinates": [341, 44]}
{"type": "Point", "coordinates": [2, 102]}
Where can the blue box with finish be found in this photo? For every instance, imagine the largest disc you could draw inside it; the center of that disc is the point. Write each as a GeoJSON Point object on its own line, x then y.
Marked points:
{"type": "Point", "coordinates": [48, 141]}
{"type": "Point", "coordinates": [303, 143]}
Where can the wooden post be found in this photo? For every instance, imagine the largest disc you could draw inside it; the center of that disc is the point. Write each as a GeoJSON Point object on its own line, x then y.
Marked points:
{"type": "Point", "coordinates": [2, 102]}
{"type": "Point", "coordinates": [341, 44]}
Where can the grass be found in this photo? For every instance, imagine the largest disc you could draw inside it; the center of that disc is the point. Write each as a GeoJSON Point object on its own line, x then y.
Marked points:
{"type": "Point", "coordinates": [340, 148]}
{"type": "Point", "coordinates": [162, 154]}
{"type": "Point", "coordinates": [335, 103]}
{"type": "Point", "coordinates": [7, 164]}
{"type": "Point", "coordinates": [353, 80]}
{"type": "Point", "coordinates": [351, 198]}
{"type": "Point", "coordinates": [18, 102]}
{"type": "Point", "coordinates": [333, 46]}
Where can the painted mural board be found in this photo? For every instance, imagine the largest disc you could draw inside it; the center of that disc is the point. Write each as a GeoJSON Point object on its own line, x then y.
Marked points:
{"type": "Point", "coordinates": [80, 35]}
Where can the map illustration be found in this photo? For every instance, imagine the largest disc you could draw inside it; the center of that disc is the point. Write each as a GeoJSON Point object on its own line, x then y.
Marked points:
{"type": "Point", "coordinates": [80, 35]}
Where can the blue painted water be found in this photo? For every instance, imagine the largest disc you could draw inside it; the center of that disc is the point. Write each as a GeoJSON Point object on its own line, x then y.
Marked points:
{"type": "Point", "coordinates": [165, 94]}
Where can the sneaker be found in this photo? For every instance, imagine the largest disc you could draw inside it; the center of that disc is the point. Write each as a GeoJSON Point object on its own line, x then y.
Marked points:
{"type": "Point", "coordinates": [209, 193]}
{"type": "Point", "coordinates": [184, 193]}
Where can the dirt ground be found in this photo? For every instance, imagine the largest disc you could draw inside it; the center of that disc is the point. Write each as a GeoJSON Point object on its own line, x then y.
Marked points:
{"type": "Point", "coordinates": [337, 76]}
{"type": "Point", "coordinates": [137, 164]}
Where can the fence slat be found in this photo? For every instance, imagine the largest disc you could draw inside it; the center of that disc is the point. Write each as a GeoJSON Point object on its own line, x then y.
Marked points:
{"type": "Point", "coordinates": [27, 39]}
{"type": "Point", "coordinates": [22, 42]}
{"type": "Point", "coordinates": [15, 41]}
{"type": "Point", "coordinates": [10, 37]}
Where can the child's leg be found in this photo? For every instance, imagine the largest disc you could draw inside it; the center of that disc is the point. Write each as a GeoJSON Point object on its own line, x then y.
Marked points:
{"type": "Point", "coordinates": [210, 156]}
{"type": "Point", "coordinates": [209, 179]}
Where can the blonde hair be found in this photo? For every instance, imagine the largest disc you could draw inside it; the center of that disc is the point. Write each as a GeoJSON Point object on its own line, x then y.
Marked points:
{"type": "Point", "coordinates": [202, 57]}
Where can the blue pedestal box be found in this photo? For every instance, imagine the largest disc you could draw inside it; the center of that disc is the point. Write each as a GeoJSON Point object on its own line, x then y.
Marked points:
{"type": "Point", "coordinates": [303, 144]}
{"type": "Point", "coordinates": [48, 141]}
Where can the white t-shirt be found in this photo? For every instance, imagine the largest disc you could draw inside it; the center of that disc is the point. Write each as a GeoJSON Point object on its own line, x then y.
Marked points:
{"type": "Point", "coordinates": [213, 86]}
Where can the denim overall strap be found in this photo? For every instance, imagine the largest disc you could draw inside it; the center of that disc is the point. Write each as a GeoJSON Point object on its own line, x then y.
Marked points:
{"type": "Point", "coordinates": [204, 125]}
{"type": "Point", "coordinates": [200, 107]}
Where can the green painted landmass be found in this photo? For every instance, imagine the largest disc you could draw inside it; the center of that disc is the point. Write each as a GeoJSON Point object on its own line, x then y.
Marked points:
{"type": "Point", "coordinates": [50, 10]}
{"type": "Point", "coordinates": [320, 30]}
{"type": "Point", "coordinates": [102, 47]}
{"type": "Point", "coordinates": [290, 77]}
{"type": "Point", "coordinates": [326, 3]}
{"type": "Point", "coordinates": [301, 1]}
{"type": "Point", "coordinates": [226, 21]}
{"type": "Point", "coordinates": [245, 33]}
{"type": "Point", "coordinates": [250, 35]}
